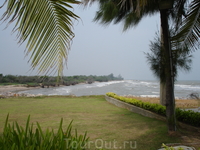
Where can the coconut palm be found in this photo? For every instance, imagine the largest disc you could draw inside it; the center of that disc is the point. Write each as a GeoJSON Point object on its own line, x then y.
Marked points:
{"type": "Point", "coordinates": [46, 25]}
{"type": "Point", "coordinates": [130, 12]}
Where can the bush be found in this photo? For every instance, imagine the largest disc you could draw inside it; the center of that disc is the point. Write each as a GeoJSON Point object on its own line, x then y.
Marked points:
{"type": "Point", "coordinates": [16, 137]}
{"type": "Point", "coordinates": [189, 117]}
{"type": "Point", "coordinates": [145, 105]}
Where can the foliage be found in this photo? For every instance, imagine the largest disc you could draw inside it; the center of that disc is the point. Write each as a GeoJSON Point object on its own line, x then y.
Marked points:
{"type": "Point", "coordinates": [184, 17]}
{"type": "Point", "coordinates": [181, 59]}
{"type": "Point", "coordinates": [16, 137]}
{"type": "Point", "coordinates": [51, 80]}
{"type": "Point", "coordinates": [187, 116]}
{"type": "Point", "coordinates": [129, 12]}
{"type": "Point", "coordinates": [46, 25]}
{"type": "Point", "coordinates": [189, 28]}
{"type": "Point", "coordinates": [157, 108]}
{"type": "Point", "coordinates": [170, 148]}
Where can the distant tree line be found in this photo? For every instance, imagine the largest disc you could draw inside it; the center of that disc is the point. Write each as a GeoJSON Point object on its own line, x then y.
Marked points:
{"type": "Point", "coordinates": [52, 80]}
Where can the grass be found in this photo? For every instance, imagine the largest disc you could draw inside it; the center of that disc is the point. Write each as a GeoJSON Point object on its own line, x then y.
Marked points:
{"type": "Point", "coordinates": [106, 124]}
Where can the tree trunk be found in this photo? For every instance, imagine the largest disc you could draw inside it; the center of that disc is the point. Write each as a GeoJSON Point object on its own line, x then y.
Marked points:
{"type": "Point", "coordinates": [162, 93]}
{"type": "Point", "coordinates": [169, 97]}
{"type": "Point", "coordinates": [162, 81]}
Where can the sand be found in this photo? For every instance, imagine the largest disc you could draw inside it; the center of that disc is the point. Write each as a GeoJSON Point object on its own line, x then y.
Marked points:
{"type": "Point", "coordinates": [14, 88]}
{"type": "Point", "coordinates": [180, 103]}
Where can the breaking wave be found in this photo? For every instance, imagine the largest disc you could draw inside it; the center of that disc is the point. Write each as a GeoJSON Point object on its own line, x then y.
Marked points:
{"type": "Point", "coordinates": [125, 87]}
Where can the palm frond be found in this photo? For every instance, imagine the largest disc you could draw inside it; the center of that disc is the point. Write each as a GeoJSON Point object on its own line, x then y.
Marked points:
{"type": "Point", "coordinates": [107, 12]}
{"type": "Point", "coordinates": [117, 11]}
{"type": "Point", "coordinates": [127, 5]}
{"type": "Point", "coordinates": [46, 25]}
{"type": "Point", "coordinates": [178, 12]}
{"type": "Point", "coordinates": [189, 34]}
{"type": "Point", "coordinates": [88, 2]}
{"type": "Point", "coordinates": [131, 20]}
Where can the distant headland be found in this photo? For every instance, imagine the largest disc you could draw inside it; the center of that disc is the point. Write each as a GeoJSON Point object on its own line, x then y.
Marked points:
{"type": "Point", "coordinates": [49, 81]}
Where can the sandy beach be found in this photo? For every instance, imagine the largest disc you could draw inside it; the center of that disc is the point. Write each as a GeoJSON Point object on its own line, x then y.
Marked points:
{"type": "Point", "coordinates": [14, 88]}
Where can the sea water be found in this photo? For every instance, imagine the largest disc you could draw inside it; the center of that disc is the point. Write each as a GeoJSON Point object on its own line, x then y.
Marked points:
{"type": "Point", "coordinates": [143, 88]}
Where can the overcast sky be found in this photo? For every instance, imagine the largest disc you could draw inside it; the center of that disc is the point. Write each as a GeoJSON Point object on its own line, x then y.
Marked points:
{"type": "Point", "coordinates": [96, 50]}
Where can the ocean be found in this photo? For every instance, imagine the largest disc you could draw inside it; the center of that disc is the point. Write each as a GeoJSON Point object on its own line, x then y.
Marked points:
{"type": "Point", "coordinates": [143, 88]}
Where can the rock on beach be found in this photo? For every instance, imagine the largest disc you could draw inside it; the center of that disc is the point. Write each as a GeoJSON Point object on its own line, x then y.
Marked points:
{"type": "Point", "coordinates": [10, 91]}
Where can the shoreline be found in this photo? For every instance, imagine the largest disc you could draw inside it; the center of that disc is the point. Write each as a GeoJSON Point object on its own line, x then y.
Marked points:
{"type": "Point", "coordinates": [12, 90]}
{"type": "Point", "coordinates": [6, 89]}
{"type": "Point", "coordinates": [15, 88]}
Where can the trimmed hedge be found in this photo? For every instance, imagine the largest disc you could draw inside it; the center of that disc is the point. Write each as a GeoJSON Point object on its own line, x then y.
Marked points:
{"type": "Point", "coordinates": [186, 116]}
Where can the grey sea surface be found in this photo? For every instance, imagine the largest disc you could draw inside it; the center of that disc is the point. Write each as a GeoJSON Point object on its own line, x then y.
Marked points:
{"type": "Point", "coordinates": [140, 88]}
{"type": "Point", "coordinates": [143, 88]}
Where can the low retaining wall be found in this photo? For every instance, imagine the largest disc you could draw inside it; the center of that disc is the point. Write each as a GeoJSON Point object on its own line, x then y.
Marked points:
{"type": "Point", "coordinates": [146, 113]}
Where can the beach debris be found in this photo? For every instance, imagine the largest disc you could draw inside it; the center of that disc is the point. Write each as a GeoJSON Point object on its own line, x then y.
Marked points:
{"type": "Point", "coordinates": [193, 96]}
{"type": "Point", "coordinates": [11, 94]}
{"type": "Point", "coordinates": [2, 96]}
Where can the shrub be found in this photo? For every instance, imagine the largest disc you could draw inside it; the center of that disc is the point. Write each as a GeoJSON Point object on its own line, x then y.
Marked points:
{"type": "Point", "coordinates": [189, 117]}
{"type": "Point", "coordinates": [145, 105]}
{"type": "Point", "coordinates": [16, 137]}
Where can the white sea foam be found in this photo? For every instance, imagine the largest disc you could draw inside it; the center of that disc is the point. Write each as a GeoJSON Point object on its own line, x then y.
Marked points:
{"type": "Point", "coordinates": [190, 87]}
{"type": "Point", "coordinates": [62, 90]}
{"type": "Point", "coordinates": [125, 87]}
{"type": "Point", "coordinates": [102, 84]}
{"type": "Point", "coordinates": [155, 92]}
{"type": "Point", "coordinates": [89, 86]}
{"type": "Point", "coordinates": [141, 83]}
{"type": "Point", "coordinates": [144, 83]}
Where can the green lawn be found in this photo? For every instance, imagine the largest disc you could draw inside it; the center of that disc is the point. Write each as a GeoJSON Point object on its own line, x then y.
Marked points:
{"type": "Point", "coordinates": [106, 124]}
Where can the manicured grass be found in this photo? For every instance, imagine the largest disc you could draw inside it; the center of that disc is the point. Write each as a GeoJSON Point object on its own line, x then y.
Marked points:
{"type": "Point", "coordinates": [106, 124]}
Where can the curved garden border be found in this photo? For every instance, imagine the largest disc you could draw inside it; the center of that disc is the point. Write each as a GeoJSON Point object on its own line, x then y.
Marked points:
{"type": "Point", "coordinates": [146, 113]}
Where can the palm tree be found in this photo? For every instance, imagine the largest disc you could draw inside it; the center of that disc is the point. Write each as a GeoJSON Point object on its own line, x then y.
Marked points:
{"type": "Point", "coordinates": [181, 61]}
{"type": "Point", "coordinates": [46, 25]}
{"type": "Point", "coordinates": [131, 12]}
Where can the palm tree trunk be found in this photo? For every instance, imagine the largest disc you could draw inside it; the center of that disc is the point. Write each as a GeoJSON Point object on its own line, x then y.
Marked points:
{"type": "Point", "coordinates": [162, 93]}
{"type": "Point", "coordinates": [162, 82]}
{"type": "Point", "coordinates": [169, 97]}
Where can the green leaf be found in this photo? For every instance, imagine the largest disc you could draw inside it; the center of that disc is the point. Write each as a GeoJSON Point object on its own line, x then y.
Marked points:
{"type": "Point", "coordinates": [189, 33]}
{"type": "Point", "coordinates": [39, 130]}
{"type": "Point", "coordinates": [46, 25]}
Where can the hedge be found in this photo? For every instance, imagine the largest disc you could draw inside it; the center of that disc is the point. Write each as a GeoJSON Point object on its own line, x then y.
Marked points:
{"type": "Point", "coordinates": [186, 116]}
